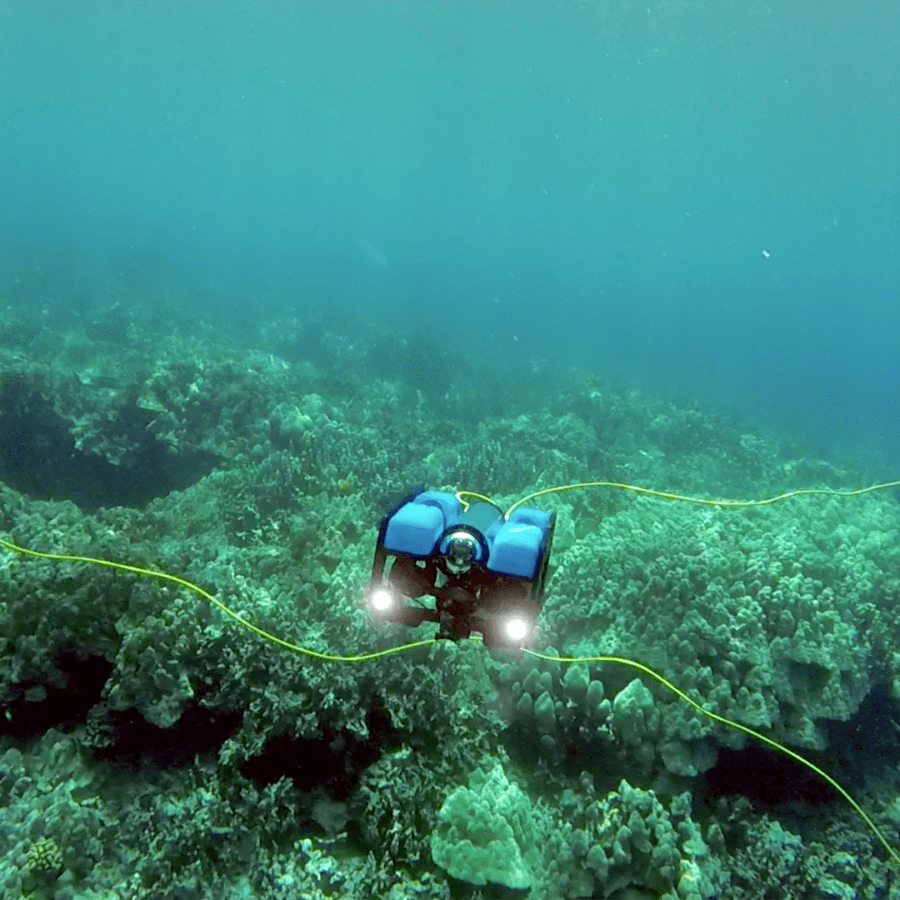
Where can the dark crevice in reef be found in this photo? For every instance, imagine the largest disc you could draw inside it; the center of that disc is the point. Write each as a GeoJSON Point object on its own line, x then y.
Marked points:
{"type": "Point", "coordinates": [29, 710]}
{"type": "Point", "coordinates": [870, 741]}
{"type": "Point", "coordinates": [39, 456]}
{"type": "Point", "coordinates": [333, 760]}
{"type": "Point", "coordinates": [767, 778]}
{"type": "Point", "coordinates": [127, 739]}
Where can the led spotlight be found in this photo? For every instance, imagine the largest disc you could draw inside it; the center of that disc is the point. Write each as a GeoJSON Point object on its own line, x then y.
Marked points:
{"type": "Point", "coordinates": [517, 629]}
{"type": "Point", "coordinates": [382, 600]}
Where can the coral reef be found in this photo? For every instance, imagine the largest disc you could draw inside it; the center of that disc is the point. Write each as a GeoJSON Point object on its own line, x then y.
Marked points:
{"type": "Point", "coordinates": [151, 748]}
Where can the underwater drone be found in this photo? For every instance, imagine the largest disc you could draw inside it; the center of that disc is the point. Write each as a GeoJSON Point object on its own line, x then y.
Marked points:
{"type": "Point", "coordinates": [485, 571]}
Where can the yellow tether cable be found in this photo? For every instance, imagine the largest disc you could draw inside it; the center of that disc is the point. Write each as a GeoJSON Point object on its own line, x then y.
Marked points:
{"type": "Point", "coordinates": [665, 495]}
{"type": "Point", "coordinates": [464, 496]}
{"type": "Point", "coordinates": [731, 723]}
{"type": "Point", "coordinates": [245, 623]}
